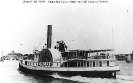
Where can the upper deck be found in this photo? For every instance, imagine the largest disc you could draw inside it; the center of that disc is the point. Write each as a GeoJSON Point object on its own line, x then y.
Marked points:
{"type": "Point", "coordinates": [87, 54]}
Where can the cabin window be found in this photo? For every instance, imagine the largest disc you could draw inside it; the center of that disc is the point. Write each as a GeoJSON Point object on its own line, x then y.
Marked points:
{"type": "Point", "coordinates": [48, 64]}
{"type": "Point", "coordinates": [107, 63]}
{"type": "Point", "coordinates": [74, 53]}
{"type": "Point", "coordinates": [100, 63]}
{"type": "Point", "coordinates": [25, 62]}
{"type": "Point", "coordinates": [70, 54]}
{"type": "Point", "coordinates": [93, 63]}
{"type": "Point", "coordinates": [78, 64]}
{"type": "Point", "coordinates": [75, 64]}
{"type": "Point", "coordinates": [87, 64]}
{"type": "Point", "coordinates": [64, 65]}
{"type": "Point", "coordinates": [51, 64]}
{"type": "Point", "coordinates": [66, 54]}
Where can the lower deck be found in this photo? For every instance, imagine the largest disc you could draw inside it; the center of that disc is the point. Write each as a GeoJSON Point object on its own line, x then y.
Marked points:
{"type": "Point", "coordinates": [75, 72]}
{"type": "Point", "coordinates": [72, 63]}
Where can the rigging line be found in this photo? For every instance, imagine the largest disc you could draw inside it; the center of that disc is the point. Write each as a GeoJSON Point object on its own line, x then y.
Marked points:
{"type": "Point", "coordinates": [55, 37]}
{"type": "Point", "coordinates": [53, 40]}
{"type": "Point", "coordinates": [41, 42]}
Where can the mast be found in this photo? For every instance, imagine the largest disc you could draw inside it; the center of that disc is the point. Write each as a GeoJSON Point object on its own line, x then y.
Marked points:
{"type": "Point", "coordinates": [113, 37]}
{"type": "Point", "coordinates": [49, 36]}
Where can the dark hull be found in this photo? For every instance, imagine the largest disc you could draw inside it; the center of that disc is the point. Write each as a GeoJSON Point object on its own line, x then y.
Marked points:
{"type": "Point", "coordinates": [128, 61]}
{"type": "Point", "coordinates": [103, 74]}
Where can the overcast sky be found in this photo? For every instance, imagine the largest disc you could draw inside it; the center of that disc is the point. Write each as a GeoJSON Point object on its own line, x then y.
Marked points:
{"type": "Point", "coordinates": [82, 26]}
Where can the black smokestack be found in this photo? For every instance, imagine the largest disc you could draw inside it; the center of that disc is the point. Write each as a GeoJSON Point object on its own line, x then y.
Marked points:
{"type": "Point", "coordinates": [49, 36]}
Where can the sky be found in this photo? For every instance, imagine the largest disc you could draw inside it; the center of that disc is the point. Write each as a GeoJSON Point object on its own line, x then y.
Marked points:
{"type": "Point", "coordinates": [23, 26]}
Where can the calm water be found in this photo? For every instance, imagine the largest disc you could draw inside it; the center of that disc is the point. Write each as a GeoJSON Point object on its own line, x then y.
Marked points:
{"type": "Point", "coordinates": [9, 74]}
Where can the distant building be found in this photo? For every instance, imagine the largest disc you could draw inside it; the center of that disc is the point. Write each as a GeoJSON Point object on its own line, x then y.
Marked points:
{"type": "Point", "coordinates": [13, 56]}
{"type": "Point", "coordinates": [121, 56]}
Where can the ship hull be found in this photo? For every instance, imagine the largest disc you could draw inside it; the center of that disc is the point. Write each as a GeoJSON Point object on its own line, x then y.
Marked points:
{"type": "Point", "coordinates": [102, 74]}
{"type": "Point", "coordinates": [128, 61]}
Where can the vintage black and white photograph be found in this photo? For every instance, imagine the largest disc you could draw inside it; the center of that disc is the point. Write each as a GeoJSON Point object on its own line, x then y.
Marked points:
{"type": "Point", "coordinates": [66, 41]}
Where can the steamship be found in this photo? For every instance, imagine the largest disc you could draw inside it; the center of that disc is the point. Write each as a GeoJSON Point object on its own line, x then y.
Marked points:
{"type": "Point", "coordinates": [88, 63]}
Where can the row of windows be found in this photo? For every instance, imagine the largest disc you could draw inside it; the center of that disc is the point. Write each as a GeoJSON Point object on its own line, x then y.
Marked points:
{"type": "Point", "coordinates": [38, 64]}
{"type": "Point", "coordinates": [86, 64]}
{"type": "Point", "coordinates": [67, 54]}
{"type": "Point", "coordinates": [90, 57]}
{"type": "Point", "coordinates": [74, 64]}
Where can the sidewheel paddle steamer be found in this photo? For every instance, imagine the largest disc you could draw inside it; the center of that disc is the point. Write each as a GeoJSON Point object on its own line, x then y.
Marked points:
{"type": "Point", "coordinates": [90, 63]}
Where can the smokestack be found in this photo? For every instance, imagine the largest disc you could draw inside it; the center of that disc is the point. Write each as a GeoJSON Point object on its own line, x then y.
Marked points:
{"type": "Point", "coordinates": [49, 36]}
